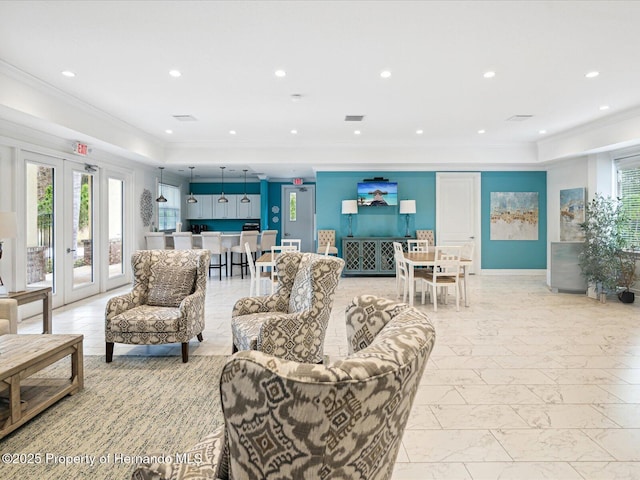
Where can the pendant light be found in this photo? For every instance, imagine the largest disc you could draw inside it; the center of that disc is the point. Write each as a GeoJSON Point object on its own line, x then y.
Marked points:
{"type": "Point", "coordinates": [191, 198]}
{"type": "Point", "coordinates": [245, 199]}
{"type": "Point", "coordinates": [161, 198]}
{"type": "Point", "coordinates": [222, 198]}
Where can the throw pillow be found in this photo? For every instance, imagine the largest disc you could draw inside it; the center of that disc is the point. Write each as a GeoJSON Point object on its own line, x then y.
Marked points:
{"type": "Point", "coordinates": [169, 285]}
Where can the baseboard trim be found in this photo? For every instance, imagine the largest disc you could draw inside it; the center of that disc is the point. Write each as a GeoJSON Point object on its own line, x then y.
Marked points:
{"type": "Point", "coordinates": [513, 271]}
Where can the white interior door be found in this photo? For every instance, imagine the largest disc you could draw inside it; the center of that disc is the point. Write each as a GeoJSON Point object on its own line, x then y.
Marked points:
{"type": "Point", "coordinates": [298, 215]}
{"type": "Point", "coordinates": [458, 211]}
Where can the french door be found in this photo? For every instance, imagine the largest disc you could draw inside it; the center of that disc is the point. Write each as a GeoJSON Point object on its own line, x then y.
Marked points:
{"type": "Point", "coordinates": [62, 227]}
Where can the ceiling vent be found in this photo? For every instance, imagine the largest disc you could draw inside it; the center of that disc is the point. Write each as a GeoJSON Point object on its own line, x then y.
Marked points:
{"type": "Point", "coordinates": [519, 118]}
{"type": "Point", "coordinates": [353, 118]}
{"type": "Point", "coordinates": [185, 118]}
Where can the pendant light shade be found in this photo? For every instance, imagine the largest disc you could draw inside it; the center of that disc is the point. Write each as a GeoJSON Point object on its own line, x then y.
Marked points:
{"type": "Point", "coordinates": [161, 198]}
{"type": "Point", "coordinates": [191, 198]}
{"type": "Point", "coordinates": [222, 198]}
{"type": "Point", "coordinates": [245, 199]}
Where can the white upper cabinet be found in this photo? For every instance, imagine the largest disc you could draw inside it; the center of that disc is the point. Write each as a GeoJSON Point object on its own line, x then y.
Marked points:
{"type": "Point", "coordinates": [203, 209]}
{"type": "Point", "coordinates": [251, 209]}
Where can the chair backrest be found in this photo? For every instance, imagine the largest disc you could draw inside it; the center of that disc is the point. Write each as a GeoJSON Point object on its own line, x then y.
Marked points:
{"type": "Point", "coordinates": [155, 240]}
{"type": "Point", "coordinates": [447, 261]}
{"type": "Point", "coordinates": [145, 262]}
{"type": "Point", "coordinates": [468, 250]}
{"type": "Point", "coordinates": [212, 241]}
{"type": "Point", "coordinates": [295, 242]}
{"type": "Point", "coordinates": [182, 240]}
{"type": "Point", "coordinates": [250, 237]}
{"type": "Point", "coordinates": [351, 415]}
{"type": "Point", "coordinates": [418, 245]}
{"type": "Point", "coordinates": [326, 236]}
{"type": "Point", "coordinates": [267, 240]}
{"type": "Point", "coordinates": [426, 235]}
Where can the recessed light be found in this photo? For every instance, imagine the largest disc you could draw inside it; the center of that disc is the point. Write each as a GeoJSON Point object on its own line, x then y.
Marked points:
{"type": "Point", "coordinates": [604, 107]}
{"type": "Point", "coordinates": [385, 74]}
{"type": "Point", "coordinates": [294, 132]}
{"type": "Point", "coordinates": [232, 132]}
{"type": "Point", "coordinates": [542, 132]}
{"type": "Point", "coordinates": [419, 132]}
{"type": "Point", "coordinates": [356, 132]}
{"type": "Point", "coordinates": [280, 73]}
{"type": "Point", "coordinates": [481, 131]}
{"type": "Point", "coordinates": [68, 73]}
{"type": "Point", "coordinates": [168, 131]}
{"type": "Point", "coordinates": [489, 74]}
{"type": "Point", "coordinates": [175, 73]}
{"type": "Point", "coordinates": [593, 74]}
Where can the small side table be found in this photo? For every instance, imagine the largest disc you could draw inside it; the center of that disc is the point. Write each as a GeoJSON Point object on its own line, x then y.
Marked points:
{"type": "Point", "coordinates": [32, 294]}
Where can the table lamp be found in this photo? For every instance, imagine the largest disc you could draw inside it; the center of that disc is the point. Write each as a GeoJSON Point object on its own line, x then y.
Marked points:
{"type": "Point", "coordinates": [407, 207]}
{"type": "Point", "coordinates": [8, 229]}
{"type": "Point", "coordinates": [349, 207]}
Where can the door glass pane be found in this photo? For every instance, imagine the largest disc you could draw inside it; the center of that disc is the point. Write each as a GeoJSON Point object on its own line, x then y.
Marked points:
{"type": "Point", "coordinates": [82, 228]}
{"type": "Point", "coordinates": [40, 226]}
{"type": "Point", "coordinates": [292, 206]}
{"type": "Point", "coordinates": [116, 265]}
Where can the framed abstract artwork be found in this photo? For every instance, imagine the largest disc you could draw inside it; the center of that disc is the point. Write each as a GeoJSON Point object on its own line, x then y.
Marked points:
{"type": "Point", "coordinates": [514, 216]}
{"type": "Point", "coordinates": [572, 203]}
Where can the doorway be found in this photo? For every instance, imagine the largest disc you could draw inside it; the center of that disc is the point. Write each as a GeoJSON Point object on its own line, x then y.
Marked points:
{"type": "Point", "coordinates": [298, 215]}
{"type": "Point", "coordinates": [458, 211]}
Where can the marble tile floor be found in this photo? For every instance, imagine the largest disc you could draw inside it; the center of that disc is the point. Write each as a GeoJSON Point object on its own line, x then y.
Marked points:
{"type": "Point", "coordinates": [524, 384]}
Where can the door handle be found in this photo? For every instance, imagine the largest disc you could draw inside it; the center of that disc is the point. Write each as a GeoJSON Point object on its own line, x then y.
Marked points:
{"type": "Point", "coordinates": [472, 238]}
{"type": "Point", "coordinates": [69, 250]}
{"type": "Point", "coordinates": [287, 234]}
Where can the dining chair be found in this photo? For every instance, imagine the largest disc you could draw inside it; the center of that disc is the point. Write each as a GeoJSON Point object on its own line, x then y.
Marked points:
{"type": "Point", "coordinates": [402, 273]}
{"type": "Point", "coordinates": [292, 242]}
{"type": "Point", "coordinates": [250, 237]}
{"type": "Point", "coordinates": [154, 240]}
{"type": "Point", "coordinates": [466, 252]}
{"type": "Point", "coordinates": [426, 235]}
{"type": "Point", "coordinates": [212, 241]}
{"type": "Point", "coordinates": [327, 242]}
{"type": "Point", "coordinates": [418, 245]}
{"type": "Point", "coordinates": [256, 275]}
{"type": "Point", "coordinates": [182, 240]}
{"type": "Point", "coordinates": [445, 273]}
{"type": "Point", "coordinates": [267, 240]}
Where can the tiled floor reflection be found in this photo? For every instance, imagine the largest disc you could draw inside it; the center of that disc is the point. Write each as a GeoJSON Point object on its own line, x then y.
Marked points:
{"type": "Point", "coordinates": [524, 384]}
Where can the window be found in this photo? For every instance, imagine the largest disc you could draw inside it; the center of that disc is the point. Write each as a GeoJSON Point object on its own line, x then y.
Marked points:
{"type": "Point", "coordinates": [169, 211]}
{"type": "Point", "coordinates": [629, 192]}
{"type": "Point", "coordinates": [293, 202]}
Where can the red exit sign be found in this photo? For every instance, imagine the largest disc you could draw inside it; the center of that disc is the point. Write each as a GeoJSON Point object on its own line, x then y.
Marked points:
{"type": "Point", "coordinates": [81, 149]}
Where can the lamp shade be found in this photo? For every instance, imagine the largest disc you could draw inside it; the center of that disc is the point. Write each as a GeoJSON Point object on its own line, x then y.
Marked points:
{"type": "Point", "coordinates": [349, 206]}
{"type": "Point", "coordinates": [8, 225]}
{"type": "Point", "coordinates": [407, 206]}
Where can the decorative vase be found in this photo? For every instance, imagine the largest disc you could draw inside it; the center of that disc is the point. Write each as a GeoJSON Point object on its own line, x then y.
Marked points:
{"type": "Point", "coordinates": [627, 296]}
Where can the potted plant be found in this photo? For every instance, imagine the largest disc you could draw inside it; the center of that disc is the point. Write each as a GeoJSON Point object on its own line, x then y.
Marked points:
{"type": "Point", "coordinates": [627, 275]}
{"type": "Point", "coordinates": [603, 245]}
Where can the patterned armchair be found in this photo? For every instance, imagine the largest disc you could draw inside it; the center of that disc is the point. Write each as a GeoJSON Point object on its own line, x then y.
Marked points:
{"type": "Point", "coordinates": [166, 304]}
{"type": "Point", "coordinates": [289, 420]}
{"type": "Point", "coordinates": [292, 322]}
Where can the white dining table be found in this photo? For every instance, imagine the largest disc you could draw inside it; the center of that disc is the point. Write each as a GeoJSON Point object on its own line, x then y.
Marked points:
{"type": "Point", "coordinates": [427, 259]}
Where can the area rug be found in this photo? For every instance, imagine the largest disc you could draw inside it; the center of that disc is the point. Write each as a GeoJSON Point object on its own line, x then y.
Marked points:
{"type": "Point", "coordinates": [134, 406]}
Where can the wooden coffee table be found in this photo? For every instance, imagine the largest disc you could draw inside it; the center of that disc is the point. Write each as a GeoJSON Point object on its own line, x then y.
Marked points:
{"type": "Point", "coordinates": [23, 397]}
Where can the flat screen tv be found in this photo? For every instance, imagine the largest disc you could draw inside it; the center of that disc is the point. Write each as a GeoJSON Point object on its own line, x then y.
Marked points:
{"type": "Point", "coordinates": [377, 194]}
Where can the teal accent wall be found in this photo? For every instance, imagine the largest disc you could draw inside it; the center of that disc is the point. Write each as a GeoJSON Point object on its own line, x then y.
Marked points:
{"type": "Point", "coordinates": [333, 187]}
{"type": "Point", "coordinates": [214, 188]}
{"type": "Point", "coordinates": [514, 254]}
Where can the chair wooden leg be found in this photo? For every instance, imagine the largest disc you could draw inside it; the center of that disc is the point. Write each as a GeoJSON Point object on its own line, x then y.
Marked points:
{"type": "Point", "coordinates": [200, 337]}
{"type": "Point", "coordinates": [220, 267]}
{"type": "Point", "coordinates": [185, 352]}
{"type": "Point", "coordinates": [109, 352]}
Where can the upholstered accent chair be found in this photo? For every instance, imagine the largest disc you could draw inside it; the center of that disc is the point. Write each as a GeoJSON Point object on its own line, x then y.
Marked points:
{"type": "Point", "coordinates": [426, 235]}
{"type": "Point", "coordinates": [284, 419]}
{"type": "Point", "coordinates": [166, 304]}
{"type": "Point", "coordinates": [292, 322]}
{"type": "Point", "coordinates": [327, 237]}
{"type": "Point", "coordinates": [8, 316]}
